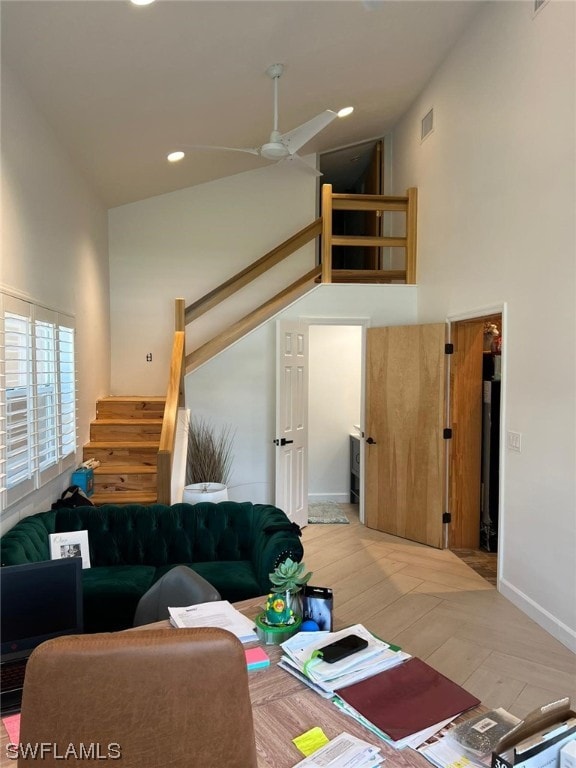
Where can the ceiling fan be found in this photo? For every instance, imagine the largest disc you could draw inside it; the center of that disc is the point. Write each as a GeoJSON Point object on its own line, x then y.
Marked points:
{"type": "Point", "coordinates": [280, 146]}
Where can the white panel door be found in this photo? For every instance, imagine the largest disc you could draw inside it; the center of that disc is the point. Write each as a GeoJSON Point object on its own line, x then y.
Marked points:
{"type": "Point", "coordinates": [292, 420]}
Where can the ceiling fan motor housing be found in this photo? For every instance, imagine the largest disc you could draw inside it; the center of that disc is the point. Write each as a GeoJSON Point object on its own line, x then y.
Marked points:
{"type": "Point", "coordinates": [274, 150]}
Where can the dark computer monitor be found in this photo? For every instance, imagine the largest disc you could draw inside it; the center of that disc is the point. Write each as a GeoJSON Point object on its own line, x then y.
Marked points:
{"type": "Point", "coordinates": [39, 601]}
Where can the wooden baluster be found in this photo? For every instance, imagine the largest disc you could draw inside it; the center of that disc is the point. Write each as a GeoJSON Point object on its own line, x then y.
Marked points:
{"type": "Point", "coordinates": [327, 233]}
{"type": "Point", "coordinates": [411, 228]}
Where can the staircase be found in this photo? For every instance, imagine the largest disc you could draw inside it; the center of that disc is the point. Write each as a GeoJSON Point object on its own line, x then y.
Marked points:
{"type": "Point", "coordinates": [133, 437]}
{"type": "Point", "coordinates": [124, 438]}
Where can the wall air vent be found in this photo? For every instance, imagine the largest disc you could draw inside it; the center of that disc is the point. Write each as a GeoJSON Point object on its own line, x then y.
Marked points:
{"type": "Point", "coordinates": [427, 125]}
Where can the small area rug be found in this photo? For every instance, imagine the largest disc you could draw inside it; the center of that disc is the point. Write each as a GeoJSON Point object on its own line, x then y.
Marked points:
{"type": "Point", "coordinates": [326, 512]}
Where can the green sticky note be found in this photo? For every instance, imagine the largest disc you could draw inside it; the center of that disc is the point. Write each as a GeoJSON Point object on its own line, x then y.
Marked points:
{"type": "Point", "coordinates": [310, 741]}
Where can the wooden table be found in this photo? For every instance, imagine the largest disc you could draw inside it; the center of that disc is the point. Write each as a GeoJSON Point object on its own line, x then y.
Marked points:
{"type": "Point", "coordinates": [284, 708]}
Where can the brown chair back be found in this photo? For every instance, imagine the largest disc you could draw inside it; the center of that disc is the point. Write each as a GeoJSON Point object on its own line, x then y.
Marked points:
{"type": "Point", "coordinates": [148, 698]}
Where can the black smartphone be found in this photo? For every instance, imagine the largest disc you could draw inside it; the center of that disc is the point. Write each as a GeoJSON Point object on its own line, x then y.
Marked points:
{"type": "Point", "coordinates": [342, 648]}
{"type": "Point", "coordinates": [317, 605]}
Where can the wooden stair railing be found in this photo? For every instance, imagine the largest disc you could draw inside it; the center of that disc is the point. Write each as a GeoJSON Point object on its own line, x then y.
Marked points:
{"type": "Point", "coordinates": [324, 273]}
{"type": "Point", "coordinates": [257, 268]}
{"type": "Point", "coordinates": [251, 320]}
{"type": "Point", "coordinates": [174, 400]}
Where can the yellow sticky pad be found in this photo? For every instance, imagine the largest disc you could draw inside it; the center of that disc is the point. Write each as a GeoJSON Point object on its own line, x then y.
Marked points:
{"type": "Point", "coordinates": [310, 741]}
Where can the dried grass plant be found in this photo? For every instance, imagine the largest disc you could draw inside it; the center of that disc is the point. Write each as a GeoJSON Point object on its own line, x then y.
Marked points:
{"type": "Point", "coordinates": [209, 457]}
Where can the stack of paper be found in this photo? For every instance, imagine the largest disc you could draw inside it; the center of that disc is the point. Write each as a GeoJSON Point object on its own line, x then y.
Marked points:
{"type": "Point", "coordinates": [406, 704]}
{"type": "Point", "coordinates": [345, 751]}
{"type": "Point", "coordinates": [324, 678]}
{"type": "Point", "coordinates": [219, 613]}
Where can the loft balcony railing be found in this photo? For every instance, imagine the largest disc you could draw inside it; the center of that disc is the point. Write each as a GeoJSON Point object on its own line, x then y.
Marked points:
{"type": "Point", "coordinates": [374, 208]}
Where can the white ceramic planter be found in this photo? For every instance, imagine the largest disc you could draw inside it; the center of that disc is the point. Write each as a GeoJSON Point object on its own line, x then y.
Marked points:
{"type": "Point", "coordinates": [198, 492]}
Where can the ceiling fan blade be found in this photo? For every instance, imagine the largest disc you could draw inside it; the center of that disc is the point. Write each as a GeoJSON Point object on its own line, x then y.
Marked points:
{"type": "Point", "coordinates": [296, 138]}
{"type": "Point", "coordinates": [297, 161]}
{"type": "Point", "coordinates": [251, 151]}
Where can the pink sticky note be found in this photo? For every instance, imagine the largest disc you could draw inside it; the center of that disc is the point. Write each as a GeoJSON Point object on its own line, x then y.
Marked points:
{"type": "Point", "coordinates": [256, 658]}
{"type": "Point", "coordinates": [12, 725]}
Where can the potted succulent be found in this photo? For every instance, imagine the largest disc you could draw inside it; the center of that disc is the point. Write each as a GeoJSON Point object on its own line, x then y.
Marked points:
{"type": "Point", "coordinates": [287, 579]}
{"type": "Point", "coordinates": [282, 615]}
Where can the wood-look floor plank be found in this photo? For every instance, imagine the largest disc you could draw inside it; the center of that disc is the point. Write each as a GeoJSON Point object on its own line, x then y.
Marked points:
{"type": "Point", "coordinates": [497, 690]}
{"type": "Point", "coordinates": [432, 604]}
{"type": "Point", "coordinates": [457, 658]}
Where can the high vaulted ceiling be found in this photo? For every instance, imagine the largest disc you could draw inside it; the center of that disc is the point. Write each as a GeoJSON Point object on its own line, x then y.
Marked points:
{"type": "Point", "coordinates": [122, 85]}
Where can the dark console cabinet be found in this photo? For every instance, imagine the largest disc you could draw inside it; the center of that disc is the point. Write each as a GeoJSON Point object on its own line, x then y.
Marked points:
{"type": "Point", "coordinates": [354, 469]}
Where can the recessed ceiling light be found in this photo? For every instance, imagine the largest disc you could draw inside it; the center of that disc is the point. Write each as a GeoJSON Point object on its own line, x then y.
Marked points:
{"type": "Point", "coordinates": [173, 157]}
{"type": "Point", "coordinates": [345, 111]}
{"type": "Point", "coordinates": [141, 2]}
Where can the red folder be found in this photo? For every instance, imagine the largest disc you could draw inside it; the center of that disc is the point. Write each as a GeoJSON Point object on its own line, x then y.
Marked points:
{"type": "Point", "coordinates": [407, 698]}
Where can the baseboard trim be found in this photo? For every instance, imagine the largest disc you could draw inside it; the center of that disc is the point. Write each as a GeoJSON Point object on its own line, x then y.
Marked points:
{"type": "Point", "coordinates": [546, 620]}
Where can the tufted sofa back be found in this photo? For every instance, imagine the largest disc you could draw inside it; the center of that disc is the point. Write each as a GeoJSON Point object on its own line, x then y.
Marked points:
{"type": "Point", "coordinates": [155, 535]}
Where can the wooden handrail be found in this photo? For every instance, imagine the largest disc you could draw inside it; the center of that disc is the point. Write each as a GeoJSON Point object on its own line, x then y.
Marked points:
{"type": "Point", "coordinates": [342, 202]}
{"type": "Point", "coordinates": [179, 364]}
{"type": "Point", "coordinates": [250, 321]}
{"type": "Point", "coordinates": [253, 271]}
{"type": "Point", "coordinates": [366, 240]}
{"type": "Point", "coordinates": [174, 400]}
{"type": "Point", "coordinates": [368, 275]}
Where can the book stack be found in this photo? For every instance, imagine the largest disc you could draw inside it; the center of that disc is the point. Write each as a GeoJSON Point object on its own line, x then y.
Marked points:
{"type": "Point", "coordinates": [400, 699]}
{"type": "Point", "coordinates": [300, 659]}
{"type": "Point", "coordinates": [405, 705]}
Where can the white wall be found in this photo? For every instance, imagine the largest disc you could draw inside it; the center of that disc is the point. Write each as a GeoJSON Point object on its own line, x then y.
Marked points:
{"type": "Point", "coordinates": [54, 252]}
{"type": "Point", "coordinates": [238, 387]}
{"type": "Point", "coordinates": [497, 204]}
{"type": "Point", "coordinates": [334, 398]}
{"type": "Point", "coordinates": [185, 243]}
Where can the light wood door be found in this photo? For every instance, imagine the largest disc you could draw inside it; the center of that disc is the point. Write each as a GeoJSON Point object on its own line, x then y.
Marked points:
{"type": "Point", "coordinates": [292, 421]}
{"type": "Point", "coordinates": [466, 422]}
{"type": "Point", "coordinates": [404, 462]}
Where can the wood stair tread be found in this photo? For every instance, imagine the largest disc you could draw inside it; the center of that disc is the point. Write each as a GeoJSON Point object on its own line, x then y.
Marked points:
{"type": "Point", "coordinates": [136, 423]}
{"type": "Point", "coordinates": [125, 469]}
{"type": "Point", "coordinates": [133, 399]}
{"type": "Point", "coordinates": [92, 445]}
{"type": "Point", "coordinates": [128, 497]}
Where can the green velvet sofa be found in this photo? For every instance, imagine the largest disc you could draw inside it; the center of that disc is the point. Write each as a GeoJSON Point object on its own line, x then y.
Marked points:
{"type": "Point", "coordinates": [233, 545]}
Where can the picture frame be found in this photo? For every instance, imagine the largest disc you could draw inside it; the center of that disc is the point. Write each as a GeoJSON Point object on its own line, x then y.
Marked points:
{"type": "Point", "coordinates": [70, 544]}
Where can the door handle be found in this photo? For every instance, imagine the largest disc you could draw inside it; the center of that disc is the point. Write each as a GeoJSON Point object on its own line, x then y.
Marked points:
{"type": "Point", "coordinates": [370, 441]}
{"type": "Point", "coordinates": [282, 441]}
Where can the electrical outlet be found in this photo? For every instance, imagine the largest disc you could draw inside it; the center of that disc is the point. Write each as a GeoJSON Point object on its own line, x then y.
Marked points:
{"type": "Point", "coordinates": [514, 441]}
{"type": "Point", "coordinates": [149, 357]}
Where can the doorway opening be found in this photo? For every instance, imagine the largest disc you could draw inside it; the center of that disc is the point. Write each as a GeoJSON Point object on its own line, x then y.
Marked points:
{"type": "Point", "coordinates": [334, 409]}
{"type": "Point", "coordinates": [475, 453]}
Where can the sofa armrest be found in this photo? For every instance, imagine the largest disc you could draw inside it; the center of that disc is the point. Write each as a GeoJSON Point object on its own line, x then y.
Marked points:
{"type": "Point", "coordinates": [275, 539]}
{"type": "Point", "coordinates": [28, 541]}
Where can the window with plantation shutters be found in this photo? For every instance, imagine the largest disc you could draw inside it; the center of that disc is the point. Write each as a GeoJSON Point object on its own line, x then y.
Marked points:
{"type": "Point", "coordinates": [38, 397]}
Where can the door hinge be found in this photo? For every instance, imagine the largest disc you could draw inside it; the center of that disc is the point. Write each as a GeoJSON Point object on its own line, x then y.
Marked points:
{"type": "Point", "coordinates": [447, 517]}
{"type": "Point", "coordinates": [448, 349]}
{"type": "Point", "coordinates": [447, 434]}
